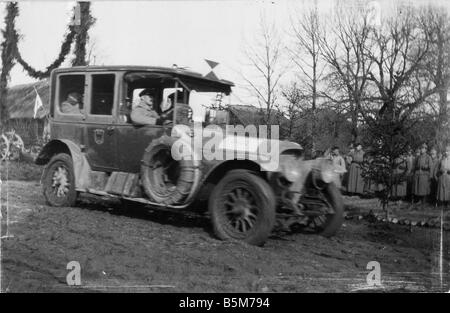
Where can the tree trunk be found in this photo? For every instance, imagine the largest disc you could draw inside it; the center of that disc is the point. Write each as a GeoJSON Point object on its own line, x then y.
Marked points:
{"type": "Point", "coordinates": [442, 130]}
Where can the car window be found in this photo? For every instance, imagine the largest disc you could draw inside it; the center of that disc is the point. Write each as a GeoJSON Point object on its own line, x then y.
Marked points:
{"type": "Point", "coordinates": [71, 93]}
{"type": "Point", "coordinates": [102, 95]}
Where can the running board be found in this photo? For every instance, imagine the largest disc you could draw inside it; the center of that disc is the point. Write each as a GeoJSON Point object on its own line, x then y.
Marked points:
{"type": "Point", "coordinates": [139, 200]}
{"type": "Point", "coordinates": [122, 185]}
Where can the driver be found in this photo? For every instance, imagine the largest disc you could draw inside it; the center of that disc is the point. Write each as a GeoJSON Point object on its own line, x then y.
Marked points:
{"type": "Point", "coordinates": [144, 113]}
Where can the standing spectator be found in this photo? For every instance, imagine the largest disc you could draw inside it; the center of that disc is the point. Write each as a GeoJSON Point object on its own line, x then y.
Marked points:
{"type": "Point", "coordinates": [417, 154]}
{"type": "Point", "coordinates": [339, 163]}
{"type": "Point", "coordinates": [422, 174]}
{"type": "Point", "coordinates": [443, 172]}
{"type": "Point", "coordinates": [433, 174]}
{"type": "Point", "coordinates": [370, 187]}
{"type": "Point", "coordinates": [348, 161]}
{"type": "Point", "coordinates": [349, 156]}
{"type": "Point", "coordinates": [355, 181]}
{"type": "Point", "coordinates": [410, 161]}
{"type": "Point", "coordinates": [399, 190]}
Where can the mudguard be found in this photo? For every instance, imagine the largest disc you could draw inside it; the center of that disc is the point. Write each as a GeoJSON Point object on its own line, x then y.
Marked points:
{"type": "Point", "coordinates": [81, 166]}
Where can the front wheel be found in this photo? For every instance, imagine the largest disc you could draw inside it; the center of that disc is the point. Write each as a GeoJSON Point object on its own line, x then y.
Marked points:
{"type": "Point", "coordinates": [242, 207]}
{"type": "Point", "coordinates": [332, 207]}
{"type": "Point", "coordinates": [59, 181]}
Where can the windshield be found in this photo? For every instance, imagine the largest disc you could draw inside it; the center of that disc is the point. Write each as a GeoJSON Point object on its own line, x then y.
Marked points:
{"type": "Point", "coordinates": [203, 103]}
{"type": "Point", "coordinates": [198, 95]}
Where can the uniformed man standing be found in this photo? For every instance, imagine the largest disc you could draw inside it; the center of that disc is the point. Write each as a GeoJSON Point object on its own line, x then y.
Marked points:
{"type": "Point", "coordinates": [410, 163]}
{"type": "Point", "coordinates": [143, 113]}
{"type": "Point", "coordinates": [422, 174]}
{"type": "Point", "coordinates": [399, 190]}
{"type": "Point", "coordinates": [348, 161]}
{"type": "Point", "coordinates": [433, 174]}
{"type": "Point", "coordinates": [443, 173]}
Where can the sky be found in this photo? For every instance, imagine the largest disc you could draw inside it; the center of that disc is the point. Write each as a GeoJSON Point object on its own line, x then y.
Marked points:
{"type": "Point", "coordinates": [163, 33]}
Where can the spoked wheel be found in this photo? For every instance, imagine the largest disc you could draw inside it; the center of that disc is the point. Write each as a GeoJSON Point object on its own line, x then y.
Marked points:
{"type": "Point", "coordinates": [326, 213]}
{"type": "Point", "coordinates": [4, 148]}
{"type": "Point", "coordinates": [59, 181]}
{"type": "Point", "coordinates": [242, 207]}
{"type": "Point", "coordinates": [16, 146]}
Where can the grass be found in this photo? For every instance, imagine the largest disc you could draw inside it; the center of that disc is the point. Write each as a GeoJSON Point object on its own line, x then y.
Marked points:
{"type": "Point", "coordinates": [397, 209]}
{"type": "Point", "coordinates": [20, 170]}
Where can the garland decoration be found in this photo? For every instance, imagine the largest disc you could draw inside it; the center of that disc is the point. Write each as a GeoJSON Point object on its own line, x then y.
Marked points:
{"type": "Point", "coordinates": [77, 31]}
{"type": "Point", "coordinates": [82, 37]}
{"type": "Point", "coordinates": [65, 49]}
{"type": "Point", "coordinates": [10, 38]}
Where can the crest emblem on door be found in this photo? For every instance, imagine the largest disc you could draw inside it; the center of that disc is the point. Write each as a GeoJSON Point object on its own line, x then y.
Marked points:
{"type": "Point", "coordinates": [99, 136]}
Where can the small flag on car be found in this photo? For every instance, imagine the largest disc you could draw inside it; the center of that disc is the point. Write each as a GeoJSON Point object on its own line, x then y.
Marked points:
{"type": "Point", "coordinates": [37, 103]}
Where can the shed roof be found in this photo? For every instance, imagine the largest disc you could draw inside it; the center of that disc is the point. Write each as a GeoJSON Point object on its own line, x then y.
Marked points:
{"type": "Point", "coordinates": [21, 99]}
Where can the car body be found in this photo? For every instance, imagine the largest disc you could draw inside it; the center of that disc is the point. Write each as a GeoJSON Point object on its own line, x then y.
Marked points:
{"type": "Point", "coordinates": [99, 150]}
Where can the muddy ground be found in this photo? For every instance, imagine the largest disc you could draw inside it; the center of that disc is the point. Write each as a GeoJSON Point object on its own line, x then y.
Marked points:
{"type": "Point", "coordinates": [154, 251]}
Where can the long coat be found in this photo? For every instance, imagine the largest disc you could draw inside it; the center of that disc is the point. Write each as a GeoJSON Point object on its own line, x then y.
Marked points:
{"type": "Point", "coordinates": [355, 182]}
{"type": "Point", "coordinates": [410, 163]}
{"type": "Point", "coordinates": [143, 114]}
{"type": "Point", "coordinates": [422, 175]}
{"type": "Point", "coordinates": [348, 161]}
{"type": "Point", "coordinates": [433, 176]}
{"type": "Point", "coordinates": [443, 188]}
{"type": "Point", "coordinates": [400, 189]}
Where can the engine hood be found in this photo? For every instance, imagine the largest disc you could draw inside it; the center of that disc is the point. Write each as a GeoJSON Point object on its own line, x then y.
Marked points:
{"type": "Point", "coordinates": [216, 144]}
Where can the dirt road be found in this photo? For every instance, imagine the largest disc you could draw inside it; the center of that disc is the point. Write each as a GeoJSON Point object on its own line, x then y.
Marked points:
{"type": "Point", "coordinates": [154, 251]}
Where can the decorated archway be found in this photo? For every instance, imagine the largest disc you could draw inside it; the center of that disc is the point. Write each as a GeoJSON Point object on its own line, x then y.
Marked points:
{"type": "Point", "coordinates": [77, 34]}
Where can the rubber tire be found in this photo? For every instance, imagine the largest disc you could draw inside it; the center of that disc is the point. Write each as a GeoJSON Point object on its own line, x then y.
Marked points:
{"type": "Point", "coordinates": [185, 182]}
{"type": "Point", "coordinates": [334, 223]}
{"type": "Point", "coordinates": [267, 203]}
{"type": "Point", "coordinates": [71, 197]}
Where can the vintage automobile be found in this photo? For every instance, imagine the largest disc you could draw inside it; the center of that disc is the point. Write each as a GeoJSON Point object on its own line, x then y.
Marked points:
{"type": "Point", "coordinates": [96, 149]}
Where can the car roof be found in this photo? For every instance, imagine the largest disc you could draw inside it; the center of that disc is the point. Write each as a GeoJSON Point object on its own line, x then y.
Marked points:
{"type": "Point", "coordinates": [176, 72]}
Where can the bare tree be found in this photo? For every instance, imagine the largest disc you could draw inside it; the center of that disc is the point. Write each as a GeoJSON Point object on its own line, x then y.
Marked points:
{"type": "Point", "coordinates": [435, 21]}
{"type": "Point", "coordinates": [294, 109]}
{"type": "Point", "coordinates": [306, 30]}
{"type": "Point", "coordinates": [398, 53]}
{"type": "Point", "coordinates": [343, 47]}
{"type": "Point", "coordinates": [398, 89]}
{"type": "Point", "coordinates": [267, 68]}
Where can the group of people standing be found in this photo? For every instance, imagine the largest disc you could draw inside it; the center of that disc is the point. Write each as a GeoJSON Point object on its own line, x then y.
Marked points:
{"type": "Point", "coordinates": [426, 172]}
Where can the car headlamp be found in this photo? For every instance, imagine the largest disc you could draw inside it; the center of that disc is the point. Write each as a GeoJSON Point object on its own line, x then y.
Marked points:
{"type": "Point", "coordinates": [327, 175]}
{"type": "Point", "coordinates": [290, 167]}
{"type": "Point", "coordinates": [327, 172]}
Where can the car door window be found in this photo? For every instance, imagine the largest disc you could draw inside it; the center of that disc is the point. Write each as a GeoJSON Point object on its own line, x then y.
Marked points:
{"type": "Point", "coordinates": [102, 95]}
{"type": "Point", "coordinates": [71, 93]}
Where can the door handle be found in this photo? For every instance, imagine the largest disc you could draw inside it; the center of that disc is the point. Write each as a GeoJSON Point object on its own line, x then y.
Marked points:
{"type": "Point", "coordinates": [110, 129]}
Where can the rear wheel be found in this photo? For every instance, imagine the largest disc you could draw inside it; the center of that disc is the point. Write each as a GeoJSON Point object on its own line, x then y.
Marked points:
{"type": "Point", "coordinates": [242, 207]}
{"type": "Point", "coordinates": [4, 147]}
{"type": "Point", "coordinates": [59, 181]}
{"type": "Point", "coordinates": [16, 147]}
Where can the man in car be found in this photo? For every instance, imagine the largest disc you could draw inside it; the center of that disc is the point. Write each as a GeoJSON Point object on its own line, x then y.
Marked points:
{"type": "Point", "coordinates": [143, 113]}
{"type": "Point", "coordinates": [72, 105]}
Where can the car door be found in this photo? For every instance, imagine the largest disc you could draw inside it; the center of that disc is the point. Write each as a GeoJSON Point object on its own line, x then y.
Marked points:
{"type": "Point", "coordinates": [101, 141]}
{"type": "Point", "coordinates": [132, 140]}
